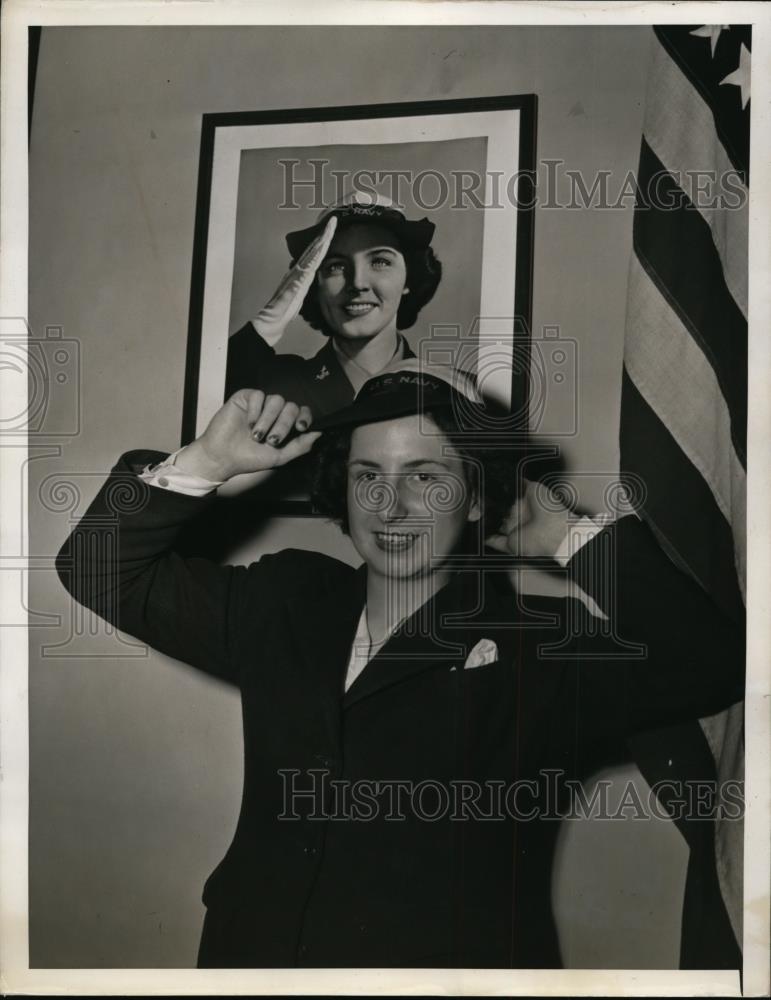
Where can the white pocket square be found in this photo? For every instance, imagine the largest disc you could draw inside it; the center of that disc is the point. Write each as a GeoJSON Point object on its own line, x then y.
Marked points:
{"type": "Point", "coordinates": [484, 652]}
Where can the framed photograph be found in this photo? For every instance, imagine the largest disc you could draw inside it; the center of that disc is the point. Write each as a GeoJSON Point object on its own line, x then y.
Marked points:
{"type": "Point", "coordinates": [466, 165]}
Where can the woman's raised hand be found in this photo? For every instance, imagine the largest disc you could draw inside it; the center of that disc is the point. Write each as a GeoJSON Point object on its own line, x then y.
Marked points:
{"type": "Point", "coordinates": [284, 305]}
{"type": "Point", "coordinates": [248, 434]}
{"type": "Point", "coordinates": [536, 524]}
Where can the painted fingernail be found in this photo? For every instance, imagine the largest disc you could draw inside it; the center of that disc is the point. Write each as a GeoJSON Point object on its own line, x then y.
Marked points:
{"type": "Point", "coordinates": [259, 435]}
{"type": "Point", "coordinates": [302, 425]}
{"type": "Point", "coordinates": [273, 439]}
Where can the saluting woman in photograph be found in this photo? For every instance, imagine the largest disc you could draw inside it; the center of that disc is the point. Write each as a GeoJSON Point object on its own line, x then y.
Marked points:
{"type": "Point", "coordinates": [359, 276]}
{"type": "Point", "coordinates": [432, 694]}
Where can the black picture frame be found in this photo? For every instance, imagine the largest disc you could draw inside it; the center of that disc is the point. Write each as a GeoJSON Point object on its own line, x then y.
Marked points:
{"type": "Point", "coordinates": [215, 126]}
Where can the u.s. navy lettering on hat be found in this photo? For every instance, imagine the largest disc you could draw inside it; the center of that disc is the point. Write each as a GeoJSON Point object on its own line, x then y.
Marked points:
{"type": "Point", "coordinates": [358, 206]}
{"type": "Point", "coordinates": [403, 388]}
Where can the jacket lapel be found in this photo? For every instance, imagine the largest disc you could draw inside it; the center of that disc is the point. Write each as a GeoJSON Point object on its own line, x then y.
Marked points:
{"type": "Point", "coordinates": [441, 633]}
{"type": "Point", "coordinates": [326, 383]}
{"type": "Point", "coordinates": [324, 640]}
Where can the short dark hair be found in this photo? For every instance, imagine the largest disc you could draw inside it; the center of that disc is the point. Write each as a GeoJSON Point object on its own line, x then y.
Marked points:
{"type": "Point", "coordinates": [424, 272]}
{"type": "Point", "coordinates": [491, 474]}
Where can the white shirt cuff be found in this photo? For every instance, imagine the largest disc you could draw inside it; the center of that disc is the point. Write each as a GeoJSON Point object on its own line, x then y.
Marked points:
{"type": "Point", "coordinates": [579, 533]}
{"type": "Point", "coordinates": [167, 476]}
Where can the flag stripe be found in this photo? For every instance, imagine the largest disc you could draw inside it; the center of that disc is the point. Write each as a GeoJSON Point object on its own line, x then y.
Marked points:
{"type": "Point", "coordinates": [694, 526]}
{"type": "Point", "coordinates": [677, 381]}
{"type": "Point", "coordinates": [679, 128]}
{"type": "Point", "coordinates": [694, 57]}
{"type": "Point", "coordinates": [676, 249]}
{"type": "Point", "coordinates": [724, 733]}
{"type": "Point", "coordinates": [684, 390]}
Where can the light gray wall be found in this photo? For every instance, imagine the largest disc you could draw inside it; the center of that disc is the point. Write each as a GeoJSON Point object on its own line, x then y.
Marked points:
{"type": "Point", "coordinates": [135, 760]}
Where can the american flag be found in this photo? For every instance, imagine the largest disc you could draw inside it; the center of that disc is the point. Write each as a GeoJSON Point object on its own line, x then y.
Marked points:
{"type": "Point", "coordinates": [684, 400]}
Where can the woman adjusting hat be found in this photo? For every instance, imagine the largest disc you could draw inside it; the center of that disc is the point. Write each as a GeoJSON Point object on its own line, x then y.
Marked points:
{"type": "Point", "coordinates": [413, 728]}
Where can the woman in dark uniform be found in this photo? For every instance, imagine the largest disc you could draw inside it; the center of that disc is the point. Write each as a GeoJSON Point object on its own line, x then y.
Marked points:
{"type": "Point", "coordinates": [437, 702]}
{"type": "Point", "coordinates": [360, 275]}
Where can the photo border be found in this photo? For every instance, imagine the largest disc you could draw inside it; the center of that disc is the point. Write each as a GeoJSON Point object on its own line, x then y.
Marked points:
{"type": "Point", "coordinates": [17, 978]}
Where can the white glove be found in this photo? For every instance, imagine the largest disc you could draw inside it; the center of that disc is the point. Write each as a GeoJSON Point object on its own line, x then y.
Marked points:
{"type": "Point", "coordinates": [285, 303]}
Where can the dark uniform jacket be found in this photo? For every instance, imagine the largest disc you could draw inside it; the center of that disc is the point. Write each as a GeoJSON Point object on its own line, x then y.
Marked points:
{"type": "Point", "coordinates": [410, 883]}
{"type": "Point", "coordinates": [318, 382]}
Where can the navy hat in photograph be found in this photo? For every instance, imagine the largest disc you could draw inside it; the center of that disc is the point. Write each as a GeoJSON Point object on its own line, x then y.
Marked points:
{"type": "Point", "coordinates": [358, 207]}
{"type": "Point", "coordinates": [407, 387]}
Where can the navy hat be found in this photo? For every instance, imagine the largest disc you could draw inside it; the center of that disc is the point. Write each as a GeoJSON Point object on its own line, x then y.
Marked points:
{"type": "Point", "coordinates": [406, 387]}
{"type": "Point", "coordinates": [358, 207]}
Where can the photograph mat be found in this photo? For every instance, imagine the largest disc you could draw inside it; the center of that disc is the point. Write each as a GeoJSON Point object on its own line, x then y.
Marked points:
{"type": "Point", "coordinates": [500, 128]}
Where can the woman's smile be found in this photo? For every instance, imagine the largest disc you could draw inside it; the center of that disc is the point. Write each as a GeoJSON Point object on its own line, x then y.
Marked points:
{"type": "Point", "coordinates": [359, 308]}
{"type": "Point", "coordinates": [394, 541]}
